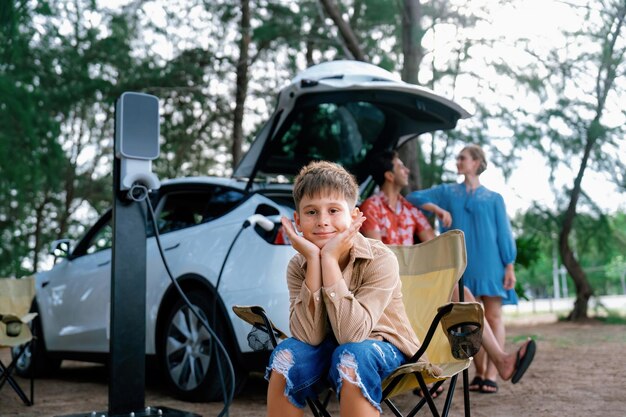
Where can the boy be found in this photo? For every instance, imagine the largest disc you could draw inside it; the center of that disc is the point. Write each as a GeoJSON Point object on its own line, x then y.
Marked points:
{"type": "Point", "coordinates": [347, 319]}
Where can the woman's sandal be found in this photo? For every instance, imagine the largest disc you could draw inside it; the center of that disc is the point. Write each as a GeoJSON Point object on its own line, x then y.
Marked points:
{"type": "Point", "coordinates": [476, 384]}
{"type": "Point", "coordinates": [418, 391]}
{"type": "Point", "coordinates": [490, 384]}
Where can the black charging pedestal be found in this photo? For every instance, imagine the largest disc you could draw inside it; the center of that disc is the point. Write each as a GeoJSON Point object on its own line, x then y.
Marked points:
{"type": "Point", "coordinates": [128, 276]}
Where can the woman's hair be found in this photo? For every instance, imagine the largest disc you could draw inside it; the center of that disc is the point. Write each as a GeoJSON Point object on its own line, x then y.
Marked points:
{"type": "Point", "coordinates": [322, 178]}
{"type": "Point", "coordinates": [477, 153]}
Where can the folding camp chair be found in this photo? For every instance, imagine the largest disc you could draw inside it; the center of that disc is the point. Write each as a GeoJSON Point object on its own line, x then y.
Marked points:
{"type": "Point", "coordinates": [16, 296]}
{"type": "Point", "coordinates": [429, 272]}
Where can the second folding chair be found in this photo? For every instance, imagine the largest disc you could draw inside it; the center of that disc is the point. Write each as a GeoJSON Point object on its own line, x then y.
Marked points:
{"type": "Point", "coordinates": [16, 296]}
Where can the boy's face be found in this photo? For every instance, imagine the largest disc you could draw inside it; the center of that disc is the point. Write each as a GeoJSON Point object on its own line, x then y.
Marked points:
{"type": "Point", "coordinates": [322, 217]}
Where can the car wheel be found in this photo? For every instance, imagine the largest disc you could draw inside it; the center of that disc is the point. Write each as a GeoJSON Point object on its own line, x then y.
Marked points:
{"type": "Point", "coordinates": [189, 355]}
{"type": "Point", "coordinates": [35, 361]}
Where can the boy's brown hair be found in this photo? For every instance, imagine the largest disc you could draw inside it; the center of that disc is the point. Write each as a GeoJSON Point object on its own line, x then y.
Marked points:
{"type": "Point", "coordinates": [322, 178]}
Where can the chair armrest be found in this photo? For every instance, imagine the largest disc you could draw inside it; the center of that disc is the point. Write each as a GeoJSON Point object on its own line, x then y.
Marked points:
{"type": "Point", "coordinates": [443, 310]}
{"type": "Point", "coordinates": [452, 316]}
{"type": "Point", "coordinates": [256, 316]}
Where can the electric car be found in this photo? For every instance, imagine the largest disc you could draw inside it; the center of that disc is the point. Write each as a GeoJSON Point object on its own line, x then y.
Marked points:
{"type": "Point", "coordinates": [221, 237]}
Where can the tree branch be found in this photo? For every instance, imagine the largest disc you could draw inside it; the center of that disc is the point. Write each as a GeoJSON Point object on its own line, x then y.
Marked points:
{"type": "Point", "coordinates": [347, 34]}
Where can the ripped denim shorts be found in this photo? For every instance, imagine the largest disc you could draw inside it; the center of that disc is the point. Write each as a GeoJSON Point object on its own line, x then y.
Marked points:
{"type": "Point", "coordinates": [309, 369]}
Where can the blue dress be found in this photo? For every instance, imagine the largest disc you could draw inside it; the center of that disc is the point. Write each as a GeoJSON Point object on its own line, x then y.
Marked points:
{"type": "Point", "coordinates": [481, 215]}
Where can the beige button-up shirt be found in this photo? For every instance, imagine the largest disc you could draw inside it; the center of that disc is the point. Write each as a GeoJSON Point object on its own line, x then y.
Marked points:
{"type": "Point", "coordinates": [365, 304]}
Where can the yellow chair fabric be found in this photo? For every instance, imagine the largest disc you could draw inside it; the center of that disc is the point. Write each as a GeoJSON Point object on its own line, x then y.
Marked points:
{"type": "Point", "coordinates": [429, 272]}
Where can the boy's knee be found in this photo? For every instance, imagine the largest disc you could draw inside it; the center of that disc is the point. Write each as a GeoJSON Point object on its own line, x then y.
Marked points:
{"type": "Point", "coordinates": [277, 378]}
{"type": "Point", "coordinates": [347, 367]}
{"type": "Point", "coordinates": [283, 361]}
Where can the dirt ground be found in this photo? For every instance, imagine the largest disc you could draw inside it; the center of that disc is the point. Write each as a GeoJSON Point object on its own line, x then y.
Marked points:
{"type": "Point", "coordinates": [579, 370]}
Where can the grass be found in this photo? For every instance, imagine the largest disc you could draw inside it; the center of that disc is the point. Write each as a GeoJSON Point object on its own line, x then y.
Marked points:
{"type": "Point", "coordinates": [613, 318]}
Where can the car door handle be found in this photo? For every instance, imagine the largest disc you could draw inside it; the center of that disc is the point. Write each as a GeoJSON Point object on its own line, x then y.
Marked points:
{"type": "Point", "coordinates": [104, 263]}
{"type": "Point", "coordinates": [171, 247]}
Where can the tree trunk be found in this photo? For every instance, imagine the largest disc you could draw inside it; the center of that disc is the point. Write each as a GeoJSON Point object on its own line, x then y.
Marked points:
{"type": "Point", "coordinates": [413, 54]}
{"type": "Point", "coordinates": [583, 288]}
{"type": "Point", "coordinates": [411, 40]}
{"type": "Point", "coordinates": [347, 34]}
{"type": "Point", "coordinates": [70, 194]}
{"type": "Point", "coordinates": [242, 83]}
{"type": "Point", "coordinates": [604, 83]}
{"type": "Point", "coordinates": [37, 233]}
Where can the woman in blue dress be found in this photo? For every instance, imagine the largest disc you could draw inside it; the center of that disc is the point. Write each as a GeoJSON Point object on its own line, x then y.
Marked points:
{"type": "Point", "coordinates": [480, 213]}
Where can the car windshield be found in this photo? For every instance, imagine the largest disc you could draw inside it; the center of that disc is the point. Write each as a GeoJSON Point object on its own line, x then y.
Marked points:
{"type": "Point", "coordinates": [339, 132]}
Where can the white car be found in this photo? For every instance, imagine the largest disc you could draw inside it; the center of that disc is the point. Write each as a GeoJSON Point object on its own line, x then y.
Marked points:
{"type": "Point", "coordinates": [342, 111]}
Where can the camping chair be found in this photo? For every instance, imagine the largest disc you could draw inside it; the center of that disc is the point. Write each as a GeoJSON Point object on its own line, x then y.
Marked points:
{"type": "Point", "coordinates": [16, 296]}
{"type": "Point", "coordinates": [429, 272]}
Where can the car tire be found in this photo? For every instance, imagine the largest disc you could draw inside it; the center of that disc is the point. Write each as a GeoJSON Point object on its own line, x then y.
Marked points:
{"type": "Point", "coordinates": [188, 355]}
{"type": "Point", "coordinates": [36, 361]}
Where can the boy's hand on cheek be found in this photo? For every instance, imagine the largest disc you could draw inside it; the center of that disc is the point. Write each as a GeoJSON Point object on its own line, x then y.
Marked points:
{"type": "Point", "coordinates": [303, 246]}
{"type": "Point", "coordinates": [342, 243]}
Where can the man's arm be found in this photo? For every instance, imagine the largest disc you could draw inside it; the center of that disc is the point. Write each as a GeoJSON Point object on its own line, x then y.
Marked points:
{"type": "Point", "coordinates": [426, 235]}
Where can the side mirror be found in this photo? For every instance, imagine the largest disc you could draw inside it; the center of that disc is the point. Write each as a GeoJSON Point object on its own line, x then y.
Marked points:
{"type": "Point", "coordinates": [60, 248]}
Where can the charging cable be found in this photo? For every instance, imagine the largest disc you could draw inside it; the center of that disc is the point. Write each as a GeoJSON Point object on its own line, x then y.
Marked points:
{"type": "Point", "coordinates": [138, 193]}
{"type": "Point", "coordinates": [255, 219]}
{"type": "Point", "coordinates": [265, 223]}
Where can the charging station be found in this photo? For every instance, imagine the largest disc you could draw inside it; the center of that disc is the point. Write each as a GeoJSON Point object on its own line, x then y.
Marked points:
{"type": "Point", "coordinates": [136, 146]}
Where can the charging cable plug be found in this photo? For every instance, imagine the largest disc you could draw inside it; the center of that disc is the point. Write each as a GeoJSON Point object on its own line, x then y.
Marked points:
{"type": "Point", "coordinates": [265, 223]}
{"type": "Point", "coordinates": [137, 192]}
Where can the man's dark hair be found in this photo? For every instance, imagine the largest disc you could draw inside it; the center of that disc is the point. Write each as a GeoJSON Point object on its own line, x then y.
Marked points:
{"type": "Point", "coordinates": [381, 163]}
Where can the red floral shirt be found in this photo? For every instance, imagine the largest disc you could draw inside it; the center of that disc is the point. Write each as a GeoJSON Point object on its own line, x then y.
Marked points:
{"type": "Point", "coordinates": [397, 227]}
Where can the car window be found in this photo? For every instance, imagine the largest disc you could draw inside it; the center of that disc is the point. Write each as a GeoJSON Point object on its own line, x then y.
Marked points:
{"type": "Point", "coordinates": [339, 132]}
{"type": "Point", "coordinates": [342, 132]}
{"type": "Point", "coordinates": [183, 209]}
{"type": "Point", "coordinates": [102, 239]}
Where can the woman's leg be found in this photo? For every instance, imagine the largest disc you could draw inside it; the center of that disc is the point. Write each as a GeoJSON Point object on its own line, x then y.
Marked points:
{"type": "Point", "coordinates": [493, 315]}
{"type": "Point", "coordinates": [480, 359]}
{"type": "Point", "coordinates": [492, 351]}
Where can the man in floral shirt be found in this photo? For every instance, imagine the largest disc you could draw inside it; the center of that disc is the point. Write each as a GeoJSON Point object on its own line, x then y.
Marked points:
{"type": "Point", "coordinates": [390, 217]}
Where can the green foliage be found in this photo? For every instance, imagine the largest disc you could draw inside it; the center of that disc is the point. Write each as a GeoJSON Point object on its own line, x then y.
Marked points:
{"type": "Point", "coordinates": [60, 74]}
{"type": "Point", "coordinates": [599, 242]}
{"type": "Point", "coordinates": [528, 250]}
{"type": "Point", "coordinates": [57, 95]}
{"type": "Point", "coordinates": [30, 157]}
